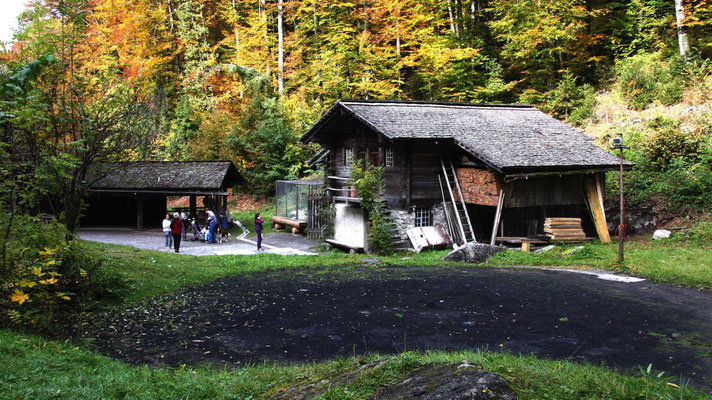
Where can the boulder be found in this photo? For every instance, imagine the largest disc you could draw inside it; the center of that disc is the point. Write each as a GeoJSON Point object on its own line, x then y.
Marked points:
{"type": "Point", "coordinates": [448, 382]}
{"type": "Point", "coordinates": [430, 382]}
{"type": "Point", "coordinates": [661, 234]}
{"type": "Point", "coordinates": [472, 253]}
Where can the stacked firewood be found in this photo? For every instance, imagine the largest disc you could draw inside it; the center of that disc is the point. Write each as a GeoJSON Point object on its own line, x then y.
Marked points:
{"type": "Point", "coordinates": [564, 229]}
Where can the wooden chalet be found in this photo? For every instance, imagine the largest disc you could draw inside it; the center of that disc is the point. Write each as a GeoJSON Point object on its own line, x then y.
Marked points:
{"type": "Point", "coordinates": [487, 172]}
{"type": "Point", "coordinates": [134, 193]}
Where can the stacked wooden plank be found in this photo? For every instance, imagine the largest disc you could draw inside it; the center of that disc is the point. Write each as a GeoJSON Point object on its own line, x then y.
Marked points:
{"type": "Point", "coordinates": [564, 229]}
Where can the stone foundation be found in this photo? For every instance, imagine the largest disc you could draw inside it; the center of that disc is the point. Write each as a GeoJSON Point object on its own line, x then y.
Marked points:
{"type": "Point", "coordinates": [404, 220]}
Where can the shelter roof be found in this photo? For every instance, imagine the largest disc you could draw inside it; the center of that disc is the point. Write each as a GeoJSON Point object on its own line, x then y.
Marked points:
{"type": "Point", "coordinates": [175, 176]}
{"type": "Point", "coordinates": [508, 137]}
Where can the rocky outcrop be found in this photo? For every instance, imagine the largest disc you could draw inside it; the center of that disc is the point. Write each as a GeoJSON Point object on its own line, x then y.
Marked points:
{"type": "Point", "coordinates": [449, 382]}
{"type": "Point", "coordinates": [472, 253]}
{"type": "Point", "coordinates": [430, 382]}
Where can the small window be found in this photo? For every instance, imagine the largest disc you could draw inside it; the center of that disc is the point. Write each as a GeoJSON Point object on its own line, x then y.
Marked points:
{"type": "Point", "coordinates": [348, 157]}
{"type": "Point", "coordinates": [422, 217]}
{"type": "Point", "coordinates": [389, 158]}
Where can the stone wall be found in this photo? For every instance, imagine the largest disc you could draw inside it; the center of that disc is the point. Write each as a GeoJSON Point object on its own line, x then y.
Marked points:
{"type": "Point", "coordinates": [404, 220]}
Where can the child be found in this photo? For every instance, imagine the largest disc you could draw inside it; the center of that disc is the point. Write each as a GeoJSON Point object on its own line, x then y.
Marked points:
{"type": "Point", "coordinates": [258, 230]}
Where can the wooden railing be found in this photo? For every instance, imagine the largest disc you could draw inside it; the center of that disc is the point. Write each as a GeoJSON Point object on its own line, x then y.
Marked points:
{"type": "Point", "coordinates": [340, 191]}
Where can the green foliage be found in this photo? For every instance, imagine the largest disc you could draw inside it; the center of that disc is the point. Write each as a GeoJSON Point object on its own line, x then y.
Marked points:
{"type": "Point", "coordinates": [668, 144]}
{"type": "Point", "coordinates": [184, 127]}
{"type": "Point", "coordinates": [673, 168]}
{"type": "Point", "coordinates": [262, 139]}
{"type": "Point", "coordinates": [370, 186]}
{"type": "Point", "coordinates": [570, 101]}
{"type": "Point", "coordinates": [42, 286]}
{"type": "Point", "coordinates": [645, 78]}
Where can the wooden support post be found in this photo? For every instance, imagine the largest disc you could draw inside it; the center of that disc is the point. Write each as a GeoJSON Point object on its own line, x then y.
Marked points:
{"type": "Point", "coordinates": [594, 198]}
{"type": "Point", "coordinates": [139, 213]}
{"type": "Point", "coordinates": [497, 217]}
{"type": "Point", "coordinates": [526, 246]}
{"type": "Point", "coordinates": [193, 206]}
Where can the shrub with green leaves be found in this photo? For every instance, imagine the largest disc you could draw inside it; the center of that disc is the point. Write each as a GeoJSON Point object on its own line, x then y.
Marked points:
{"type": "Point", "coordinates": [370, 186]}
{"type": "Point", "coordinates": [44, 278]}
{"type": "Point", "coordinates": [647, 77]}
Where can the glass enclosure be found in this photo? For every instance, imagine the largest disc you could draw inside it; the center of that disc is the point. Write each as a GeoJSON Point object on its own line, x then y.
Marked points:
{"type": "Point", "coordinates": [292, 198]}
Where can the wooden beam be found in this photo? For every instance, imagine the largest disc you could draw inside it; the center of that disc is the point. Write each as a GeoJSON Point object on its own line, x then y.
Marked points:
{"type": "Point", "coordinates": [193, 206]}
{"type": "Point", "coordinates": [139, 213]}
{"type": "Point", "coordinates": [594, 198]}
{"type": "Point", "coordinates": [497, 217]}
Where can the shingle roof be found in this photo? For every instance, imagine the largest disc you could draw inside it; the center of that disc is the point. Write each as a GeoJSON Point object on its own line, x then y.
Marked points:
{"type": "Point", "coordinates": [167, 175]}
{"type": "Point", "coordinates": [505, 136]}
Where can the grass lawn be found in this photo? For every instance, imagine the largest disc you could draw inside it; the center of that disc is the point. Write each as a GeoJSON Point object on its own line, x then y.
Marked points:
{"type": "Point", "coordinates": [686, 263]}
{"type": "Point", "coordinates": [34, 368]}
{"type": "Point", "coordinates": [149, 273]}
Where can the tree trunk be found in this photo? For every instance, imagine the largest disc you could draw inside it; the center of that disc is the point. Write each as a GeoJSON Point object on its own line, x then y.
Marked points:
{"type": "Point", "coordinates": [237, 37]}
{"type": "Point", "coordinates": [280, 60]}
{"type": "Point", "coordinates": [681, 34]}
{"type": "Point", "coordinates": [458, 18]}
{"type": "Point", "coordinates": [453, 29]}
{"type": "Point", "coordinates": [316, 22]}
{"type": "Point", "coordinates": [365, 15]}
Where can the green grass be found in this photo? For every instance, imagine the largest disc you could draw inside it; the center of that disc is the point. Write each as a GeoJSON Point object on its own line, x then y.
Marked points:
{"type": "Point", "coordinates": [671, 261]}
{"type": "Point", "coordinates": [34, 368]}
{"type": "Point", "coordinates": [149, 273]}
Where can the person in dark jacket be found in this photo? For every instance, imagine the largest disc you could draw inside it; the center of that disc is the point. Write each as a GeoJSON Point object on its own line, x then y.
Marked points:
{"type": "Point", "coordinates": [176, 232]}
{"type": "Point", "coordinates": [258, 230]}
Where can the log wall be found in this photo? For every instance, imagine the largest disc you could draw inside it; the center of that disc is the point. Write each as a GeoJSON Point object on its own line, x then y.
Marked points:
{"type": "Point", "coordinates": [479, 186]}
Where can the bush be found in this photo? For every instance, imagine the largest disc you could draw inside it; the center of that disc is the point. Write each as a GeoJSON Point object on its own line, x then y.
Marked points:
{"type": "Point", "coordinates": [645, 78]}
{"type": "Point", "coordinates": [44, 278]}
{"type": "Point", "coordinates": [668, 144]}
{"type": "Point", "coordinates": [370, 186]}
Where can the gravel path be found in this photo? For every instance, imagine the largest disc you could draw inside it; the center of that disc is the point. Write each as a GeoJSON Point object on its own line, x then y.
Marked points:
{"type": "Point", "coordinates": [278, 243]}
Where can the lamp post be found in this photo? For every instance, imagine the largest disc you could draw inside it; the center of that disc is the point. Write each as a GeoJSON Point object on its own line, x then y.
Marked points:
{"type": "Point", "coordinates": [618, 144]}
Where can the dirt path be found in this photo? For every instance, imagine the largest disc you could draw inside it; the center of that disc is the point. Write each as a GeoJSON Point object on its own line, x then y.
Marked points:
{"type": "Point", "coordinates": [321, 314]}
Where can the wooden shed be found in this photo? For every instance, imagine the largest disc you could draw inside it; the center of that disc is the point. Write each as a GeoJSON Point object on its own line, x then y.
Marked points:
{"type": "Point", "coordinates": [488, 169]}
{"type": "Point", "coordinates": [134, 193]}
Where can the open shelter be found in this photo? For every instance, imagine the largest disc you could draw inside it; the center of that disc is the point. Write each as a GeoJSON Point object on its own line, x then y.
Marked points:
{"type": "Point", "coordinates": [134, 194]}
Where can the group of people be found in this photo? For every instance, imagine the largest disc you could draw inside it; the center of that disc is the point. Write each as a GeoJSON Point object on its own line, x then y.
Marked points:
{"type": "Point", "coordinates": [176, 228]}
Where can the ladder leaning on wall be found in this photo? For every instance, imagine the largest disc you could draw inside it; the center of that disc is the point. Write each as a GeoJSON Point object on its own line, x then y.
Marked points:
{"type": "Point", "coordinates": [463, 225]}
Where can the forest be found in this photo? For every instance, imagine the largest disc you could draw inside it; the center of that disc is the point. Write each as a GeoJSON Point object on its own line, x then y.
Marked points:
{"type": "Point", "coordinates": [92, 80]}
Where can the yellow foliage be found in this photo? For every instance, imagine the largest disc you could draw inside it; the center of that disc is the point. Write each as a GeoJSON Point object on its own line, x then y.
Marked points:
{"type": "Point", "coordinates": [50, 281]}
{"type": "Point", "coordinates": [37, 271]}
{"type": "Point", "coordinates": [63, 296]}
{"type": "Point", "coordinates": [27, 283]}
{"type": "Point", "coordinates": [18, 296]}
